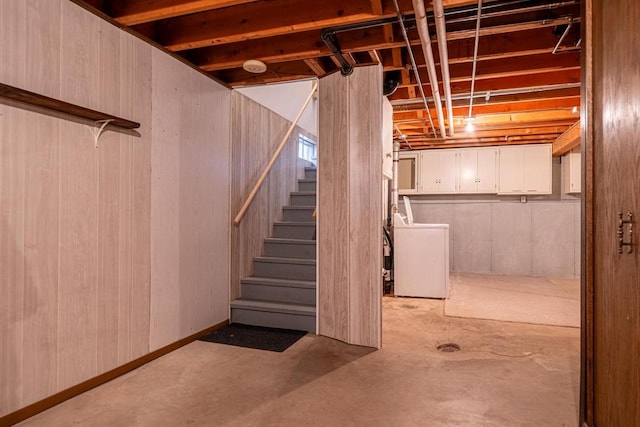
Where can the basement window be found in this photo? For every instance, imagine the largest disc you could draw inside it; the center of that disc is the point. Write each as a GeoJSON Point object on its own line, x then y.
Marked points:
{"type": "Point", "coordinates": [307, 149]}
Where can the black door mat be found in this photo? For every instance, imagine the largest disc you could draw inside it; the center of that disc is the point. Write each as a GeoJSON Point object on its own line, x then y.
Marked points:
{"type": "Point", "coordinates": [258, 337]}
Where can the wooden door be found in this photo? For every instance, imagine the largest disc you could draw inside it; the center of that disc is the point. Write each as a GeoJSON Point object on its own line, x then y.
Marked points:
{"type": "Point", "coordinates": [612, 323]}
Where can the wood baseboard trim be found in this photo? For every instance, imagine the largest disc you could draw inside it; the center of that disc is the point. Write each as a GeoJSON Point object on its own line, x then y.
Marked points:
{"type": "Point", "coordinates": [51, 401]}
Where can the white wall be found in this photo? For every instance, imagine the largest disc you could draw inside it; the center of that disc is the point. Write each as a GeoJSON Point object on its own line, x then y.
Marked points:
{"type": "Point", "coordinates": [286, 99]}
{"type": "Point", "coordinates": [108, 253]}
{"type": "Point", "coordinates": [507, 237]}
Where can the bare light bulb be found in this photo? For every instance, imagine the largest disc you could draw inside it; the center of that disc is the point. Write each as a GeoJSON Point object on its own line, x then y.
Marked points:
{"type": "Point", "coordinates": [469, 127]}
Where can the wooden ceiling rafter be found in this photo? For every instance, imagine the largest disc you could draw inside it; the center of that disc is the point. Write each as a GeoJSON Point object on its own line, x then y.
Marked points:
{"type": "Point", "coordinates": [530, 92]}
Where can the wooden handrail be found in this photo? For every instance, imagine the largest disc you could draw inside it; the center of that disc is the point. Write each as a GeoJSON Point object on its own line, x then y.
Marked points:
{"type": "Point", "coordinates": [247, 202]}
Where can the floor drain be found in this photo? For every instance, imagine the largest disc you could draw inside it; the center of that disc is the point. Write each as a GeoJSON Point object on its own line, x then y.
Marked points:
{"type": "Point", "coordinates": [449, 347]}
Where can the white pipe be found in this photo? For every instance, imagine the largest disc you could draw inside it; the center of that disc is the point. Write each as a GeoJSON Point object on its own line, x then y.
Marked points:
{"type": "Point", "coordinates": [475, 58]}
{"type": "Point", "coordinates": [423, 31]}
{"type": "Point", "coordinates": [413, 65]}
{"type": "Point", "coordinates": [394, 182]}
{"type": "Point", "coordinates": [441, 31]}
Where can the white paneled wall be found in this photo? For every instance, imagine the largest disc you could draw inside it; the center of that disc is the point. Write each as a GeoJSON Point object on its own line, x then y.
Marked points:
{"type": "Point", "coordinates": [108, 253]}
{"type": "Point", "coordinates": [506, 237]}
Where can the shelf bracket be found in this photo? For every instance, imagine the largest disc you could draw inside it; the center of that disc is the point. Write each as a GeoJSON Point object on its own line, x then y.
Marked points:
{"type": "Point", "coordinates": [99, 131]}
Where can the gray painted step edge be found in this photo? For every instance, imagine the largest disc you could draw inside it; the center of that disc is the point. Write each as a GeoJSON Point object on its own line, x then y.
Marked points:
{"type": "Point", "coordinates": [298, 213]}
{"type": "Point", "coordinates": [270, 281]}
{"type": "Point", "coordinates": [279, 260]}
{"type": "Point", "coordinates": [274, 307]}
{"type": "Point", "coordinates": [291, 241]}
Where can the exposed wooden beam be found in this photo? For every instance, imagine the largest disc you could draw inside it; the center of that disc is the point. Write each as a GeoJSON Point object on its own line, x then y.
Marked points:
{"type": "Point", "coordinates": [508, 28]}
{"type": "Point", "coordinates": [547, 100]}
{"type": "Point", "coordinates": [315, 66]}
{"type": "Point", "coordinates": [132, 12]}
{"type": "Point", "coordinates": [261, 19]}
{"type": "Point", "coordinates": [374, 56]}
{"type": "Point", "coordinates": [515, 83]}
{"type": "Point", "coordinates": [307, 44]}
{"type": "Point", "coordinates": [350, 59]}
{"type": "Point", "coordinates": [376, 7]}
{"type": "Point", "coordinates": [568, 140]}
{"type": "Point", "coordinates": [388, 33]}
{"type": "Point", "coordinates": [396, 54]}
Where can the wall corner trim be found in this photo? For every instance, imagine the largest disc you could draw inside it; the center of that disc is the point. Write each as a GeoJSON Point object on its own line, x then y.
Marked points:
{"type": "Point", "coordinates": [53, 400]}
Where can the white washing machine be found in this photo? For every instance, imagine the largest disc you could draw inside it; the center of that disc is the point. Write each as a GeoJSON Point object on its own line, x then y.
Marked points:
{"type": "Point", "coordinates": [421, 257]}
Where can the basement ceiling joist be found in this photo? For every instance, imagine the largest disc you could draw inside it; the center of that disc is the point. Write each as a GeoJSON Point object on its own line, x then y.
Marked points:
{"type": "Point", "coordinates": [518, 75]}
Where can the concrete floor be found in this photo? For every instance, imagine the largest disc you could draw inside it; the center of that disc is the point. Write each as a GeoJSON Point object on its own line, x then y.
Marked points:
{"type": "Point", "coordinates": [506, 374]}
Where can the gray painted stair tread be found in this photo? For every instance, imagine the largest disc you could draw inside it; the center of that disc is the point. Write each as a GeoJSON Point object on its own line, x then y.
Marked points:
{"type": "Point", "coordinates": [279, 260]}
{"type": "Point", "coordinates": [295, 223]}
{"type": "Point", "coordinates": [299, 208]}
{"type": "Point", "coordinates": [275, 307]}
{"type": "Point", "coordinates": [268, 281]}
{"type": "Point", "coordinates": [307, 180]}
{"type": "Point", "coordinates": [292, 241]}
{"type": "Point", "coordinates": [303, 193]}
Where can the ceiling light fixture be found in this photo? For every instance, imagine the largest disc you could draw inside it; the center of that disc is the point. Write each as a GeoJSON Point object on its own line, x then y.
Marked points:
{"type": "Point", "coordinates": [469, 126]}
{"type": "Point", "coordinates": [254, 66]}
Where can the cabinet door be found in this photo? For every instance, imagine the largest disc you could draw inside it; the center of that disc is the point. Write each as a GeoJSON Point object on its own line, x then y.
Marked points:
{"type": "Point", "coordinates": [486, 170]}
{"type": "Point", "coordinates": [575, 171]}
{"type": "Point", "coordinates": [537, 169]}
{"type": "Point", "coordinates": [447, 180]}
{"type": "Point", "coordinates": [468, 170]}
{"type": "Point", "coordinates": [510, 169]}
{"type": "Point", "coordinates": [429, 171]}
{"type": "Point", "coordinates": [408, 173]}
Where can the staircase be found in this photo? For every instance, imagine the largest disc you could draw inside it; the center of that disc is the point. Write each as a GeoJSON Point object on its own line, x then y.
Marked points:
{"type": "Point", "coordinates": [282, 291]}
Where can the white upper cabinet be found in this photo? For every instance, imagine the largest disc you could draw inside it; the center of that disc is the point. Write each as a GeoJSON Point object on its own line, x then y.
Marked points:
{"type": "Point", "coordinates": [509, 169]}
{"type": "Point", "coordinates": [437, 171]}
{"type": "Point", "coordinates": [477, 170]}
{"type": "Point", "coordinates": [572, 170]}
{"type": "Point", "coordinates": [524, 169]}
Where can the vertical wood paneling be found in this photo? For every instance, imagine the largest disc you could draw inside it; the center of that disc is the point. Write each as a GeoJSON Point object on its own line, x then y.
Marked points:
{"type": "Point", "coordinates": [190, 192]}
{"type": "Point", "coordinates": [256, 133]}
{"type": "Point", "coordinates": [350, 208]}
{"type": "Point", "coordinates": [134, 95]}
{"type": "Point", "coordinates": [12, 260]}
{"type": "Point", "coordinates": [333, 207]}
{"type": "Point", "coordinates": [77, 296]}
{"type": "Point", "coordinates": [365, 209]}
{"type": "Point", "coordinates": [108, 206]}
{"type": "Point", "coordinates": [75, 221]}
{"type": "Point", "coordinates": [39, 374]}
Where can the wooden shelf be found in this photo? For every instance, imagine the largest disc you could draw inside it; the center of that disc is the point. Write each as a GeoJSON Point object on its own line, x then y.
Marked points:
{"type": "Point", "coordinates": [26, 97]}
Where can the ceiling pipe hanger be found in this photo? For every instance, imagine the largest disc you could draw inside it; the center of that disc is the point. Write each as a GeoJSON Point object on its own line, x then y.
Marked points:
{"type": "Point", "coordinates": [425, 41]}
{"type": "Point", "coordinates": [441, 31]}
